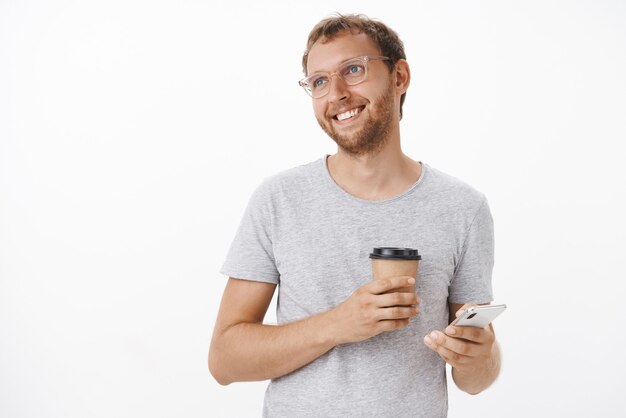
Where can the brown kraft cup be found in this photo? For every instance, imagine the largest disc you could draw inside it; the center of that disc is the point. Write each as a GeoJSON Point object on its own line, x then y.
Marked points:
{"type": "Point", "coordinates": [395, 261]}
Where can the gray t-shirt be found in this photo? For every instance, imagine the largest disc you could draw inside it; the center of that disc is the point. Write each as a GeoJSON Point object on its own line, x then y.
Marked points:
{"type": "Point", "coordinates": [304, 233]}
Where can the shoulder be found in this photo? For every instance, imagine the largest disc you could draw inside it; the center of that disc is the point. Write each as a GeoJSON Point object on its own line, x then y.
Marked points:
{"type": "Point", "coordinates": [297, 175]}
{"type": "Point", "coordinates": [290, 182]}
{"type": "Point", "coordinates": [452, 191]}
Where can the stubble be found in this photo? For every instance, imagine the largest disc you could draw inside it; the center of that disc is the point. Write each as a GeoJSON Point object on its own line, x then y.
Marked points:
{"type": "Point", "coordinates": [374, 134]}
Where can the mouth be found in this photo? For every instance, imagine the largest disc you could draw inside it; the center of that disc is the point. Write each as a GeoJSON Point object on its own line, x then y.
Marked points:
{"type": "Point", "coordinates": [348, 115]}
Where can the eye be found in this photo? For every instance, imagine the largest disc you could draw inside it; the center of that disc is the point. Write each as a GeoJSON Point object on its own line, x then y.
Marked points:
{"type": "Point", "coordinates": [353, 69]}
{"type": "Point", "coordinates": [318, 82]}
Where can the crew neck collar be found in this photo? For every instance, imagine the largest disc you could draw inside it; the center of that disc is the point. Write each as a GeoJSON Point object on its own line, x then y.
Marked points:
{"type": "Point", "coordinates": [337, 189]}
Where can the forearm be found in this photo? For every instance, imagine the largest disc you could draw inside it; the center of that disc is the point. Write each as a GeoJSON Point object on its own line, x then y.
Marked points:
{"type": "Point", "coordinates": [243, 349]}
{"type": "Point", "coordinates": [475, 380]}
{"type": "Point", "coordinates": [252, 351]}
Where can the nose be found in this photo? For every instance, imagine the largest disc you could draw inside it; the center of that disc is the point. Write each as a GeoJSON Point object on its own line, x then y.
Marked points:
{"type": "Point", "coordinates": [338, 89]}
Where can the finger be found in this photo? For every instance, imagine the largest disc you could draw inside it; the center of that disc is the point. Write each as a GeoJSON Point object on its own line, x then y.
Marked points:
{"type": "Point", "coordinates": [397, 298]}
{"type": "Point", "coordinates": [474, 334]}
{"type": "Point", "coordinates": [380, 286]}
{"type": "Point", "coordinates": [396, 312]}
{"type": "Point", "coordinates": [451, 357]}
{"type": "Point", "coordinates": [456, 345]}
{"type": "Point", "coordinates": [463, 308]}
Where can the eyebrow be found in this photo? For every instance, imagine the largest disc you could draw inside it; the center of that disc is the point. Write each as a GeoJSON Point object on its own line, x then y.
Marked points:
{"type": "Point", "coordinates": [340, 63]}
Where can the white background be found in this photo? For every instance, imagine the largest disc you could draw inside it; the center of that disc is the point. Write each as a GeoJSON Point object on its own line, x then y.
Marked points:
{"type": "Point", "coordinates": [133, 132]}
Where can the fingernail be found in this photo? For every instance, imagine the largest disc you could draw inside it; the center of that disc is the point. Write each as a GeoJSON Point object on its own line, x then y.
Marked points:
{"type": "Point", "coordinates": [450, 331]}
{"type": "Point", "coordinates": [411, 280]}
{"type": "Point", "coordinates": [433, 336]}
{"type": "Point", "coordinates": [428, 341]}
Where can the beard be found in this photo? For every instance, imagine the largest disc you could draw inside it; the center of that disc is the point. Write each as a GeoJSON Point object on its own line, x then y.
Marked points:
{"type": "Point", "coordinates": [373, 135]}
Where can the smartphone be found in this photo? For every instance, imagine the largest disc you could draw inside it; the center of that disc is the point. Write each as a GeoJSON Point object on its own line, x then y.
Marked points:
{"type": "Point", "coordinates": [478, 316]}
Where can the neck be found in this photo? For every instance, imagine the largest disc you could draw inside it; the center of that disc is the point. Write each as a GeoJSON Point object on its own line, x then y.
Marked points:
{"type": "Point", "coordinates": [379, 176]}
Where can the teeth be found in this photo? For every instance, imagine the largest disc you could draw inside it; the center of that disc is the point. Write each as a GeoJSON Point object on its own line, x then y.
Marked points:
{"type": "Point", "coordinates": [348, 114]}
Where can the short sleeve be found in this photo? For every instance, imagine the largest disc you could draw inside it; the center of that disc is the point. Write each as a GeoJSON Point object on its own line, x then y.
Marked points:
{"type": "Point", "coordinates": [251, 255]}
{"type": "Point", "coordinates": [472, 277]}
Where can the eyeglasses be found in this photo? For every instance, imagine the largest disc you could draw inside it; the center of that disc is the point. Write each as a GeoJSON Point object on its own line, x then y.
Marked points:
{"type": "Point", "coordinates": [352, 72]}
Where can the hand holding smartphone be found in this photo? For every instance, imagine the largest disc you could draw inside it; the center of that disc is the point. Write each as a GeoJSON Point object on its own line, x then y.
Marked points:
{"type": "Point", "coordinates": [478, 316]}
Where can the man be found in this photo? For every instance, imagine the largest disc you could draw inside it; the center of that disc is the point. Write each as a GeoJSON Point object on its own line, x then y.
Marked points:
{"type": "Point", "coordinates": [347, 346]}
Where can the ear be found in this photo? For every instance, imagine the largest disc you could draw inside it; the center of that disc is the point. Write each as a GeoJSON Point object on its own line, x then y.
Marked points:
{"type": "Point", "coordinates": [402, 76]}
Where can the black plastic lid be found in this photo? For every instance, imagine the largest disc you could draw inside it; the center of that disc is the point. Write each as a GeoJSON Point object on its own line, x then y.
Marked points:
{"type": "Point", "coordinates": [395, 253]}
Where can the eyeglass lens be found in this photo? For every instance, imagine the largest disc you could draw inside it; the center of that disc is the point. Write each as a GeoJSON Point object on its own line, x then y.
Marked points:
{"type": "Point", "coordinates": [352, 72]}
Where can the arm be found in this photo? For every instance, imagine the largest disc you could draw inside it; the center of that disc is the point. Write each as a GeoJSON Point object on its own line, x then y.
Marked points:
{"type": "Point", "coordinates": [473, 353]}
{"type": "Point", "coordinates": [244, 349]}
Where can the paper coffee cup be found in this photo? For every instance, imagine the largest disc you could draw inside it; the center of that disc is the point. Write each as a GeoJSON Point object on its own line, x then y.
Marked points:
{"type": "Point", "coordinates": [395, 261]}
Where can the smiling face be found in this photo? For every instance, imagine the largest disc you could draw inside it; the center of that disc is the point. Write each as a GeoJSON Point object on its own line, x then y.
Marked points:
{"type": "Point", "coordinates": [359, 118]}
